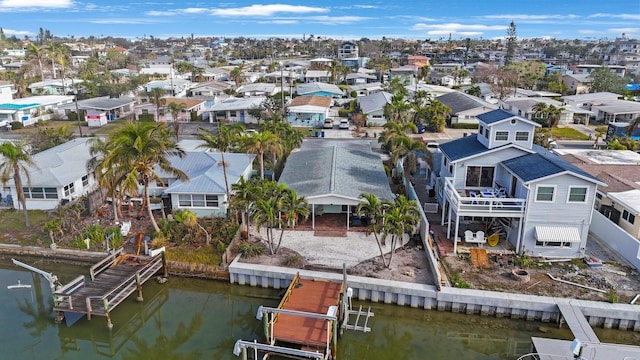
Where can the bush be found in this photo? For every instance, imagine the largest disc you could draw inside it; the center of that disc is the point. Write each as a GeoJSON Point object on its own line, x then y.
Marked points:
{"type": "Point", "coordinates": [464, 126]}
{"type": "Point", "coordinates": [344, 112]}
{"type": "Point", "coordinates": [15, 125]}
{"type": "Point", "coordinates": [247, 249]}
{"type": "Point", "coordinates": [146, 118]}
{"type": "Point", "coordinates": [293, 261]}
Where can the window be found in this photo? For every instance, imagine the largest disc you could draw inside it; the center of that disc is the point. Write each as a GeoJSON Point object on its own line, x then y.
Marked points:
{"type": "Point", "coordinates": [629, 217]}
{"type": "Point", "coordinates": [69, 189]}
{"type": "Point", "coordinates": [545, 193]}
{"type": "Point", "coordinates": [486, 133]}
{"type": "Point", "coordinates": [599, 196]}
{"type": "Point", "coordinates": [502, 135]}
{"type": "Point", "coordinates": [480, 176]}
{"type": "Point", "coordinates": [85, 181]}
{"type": "Point", "coordinates": [577, 194]}
{"type": "Point", "coordinates": [480, 128]}
{"type": "Point", "coordinates": [40, 193]}
{"type": "Point", "coordinates": [522, 136]}
{"type": "Point", "coordinates": [232, 114]}
{"type": "Point", "coordinates": [563, 244]}
{"type": "Point", "coordinates": [513, 121]}
{"type": "Point", "coordinates": [198, 200]}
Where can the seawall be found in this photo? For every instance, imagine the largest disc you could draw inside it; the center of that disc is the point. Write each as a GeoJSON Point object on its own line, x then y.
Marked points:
{"type": "Point", "coordinates": [428, 297]}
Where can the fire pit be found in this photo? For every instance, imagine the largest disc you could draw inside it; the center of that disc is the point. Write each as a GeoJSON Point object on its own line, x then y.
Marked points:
{"type": "Point", "coordinates": [520, 275]}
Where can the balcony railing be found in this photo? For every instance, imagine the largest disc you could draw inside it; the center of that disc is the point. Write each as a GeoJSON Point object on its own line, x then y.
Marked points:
{"type": "Point", "coordinates": [482, 206]}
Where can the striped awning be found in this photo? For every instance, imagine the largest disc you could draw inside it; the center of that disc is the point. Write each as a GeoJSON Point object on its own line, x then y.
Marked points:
{"type": "Point", "coordinates": [558, 234]}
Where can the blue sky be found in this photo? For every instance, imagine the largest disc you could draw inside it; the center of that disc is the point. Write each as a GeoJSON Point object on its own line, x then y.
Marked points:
{"type": "Point", "coordinates": [347, 19]}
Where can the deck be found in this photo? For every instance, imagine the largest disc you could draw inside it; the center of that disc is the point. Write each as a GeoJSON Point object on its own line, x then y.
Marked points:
{"type": "Point", "coordinates": [114, 279]}
{"type": "Point", "coordinates": [311, 297]}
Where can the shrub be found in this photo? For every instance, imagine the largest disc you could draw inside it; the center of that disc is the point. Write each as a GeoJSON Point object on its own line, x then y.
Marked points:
{"type": "Point", "coordinates": [458, 282]}
{"type": "Point", "coordinates": [146, 117]}
{"type": "Point", "coordinates": [343, 112]}
{"type": "Point", "coordinates": [613, 296]}
{"type": "Point", "coordinates": [247, 249]}
{"type": "Point", "coordinates": [464, 126]}
{"type": "Point", "coordinates": [15, 125]}
{"type": "Point", "coordinates": [293, 261]}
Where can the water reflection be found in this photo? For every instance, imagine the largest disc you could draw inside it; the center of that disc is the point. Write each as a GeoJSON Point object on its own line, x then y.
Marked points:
{"type": "Point", "coordinates": [195, 319]}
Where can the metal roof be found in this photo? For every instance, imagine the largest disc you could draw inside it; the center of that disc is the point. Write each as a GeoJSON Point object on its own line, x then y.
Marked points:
{"type": "Point", "coordinates": [462, 148]}
{"type": "Point", "coordinates": [337, 171]}
{"type": "Point", "coordinates": [238, 103]}
{"type": "Point", "coordinates": [459, 101]}
{"type": "Point", "coordinates": [206, 175]}
{"type": "Point", "coordinates": [374, 102]}
{"type": "Point", "coordinates": [495, 116]}
{"type": "Point", "coordinates": [105, 103]}
{"type": "Point", "coordinates": [60, 165]}
{"type": "Point", "coordinates": [558, 234]}
{"type": "Point", "coordinates": [536, 166]}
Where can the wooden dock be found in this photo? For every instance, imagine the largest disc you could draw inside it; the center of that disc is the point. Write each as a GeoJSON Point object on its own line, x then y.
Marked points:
{"type": "Point", "coordinates": [113, 280]}
{"type": "Point", "coordinates": [309, 296]}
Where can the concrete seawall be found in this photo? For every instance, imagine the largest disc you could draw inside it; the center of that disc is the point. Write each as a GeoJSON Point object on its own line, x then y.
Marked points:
{"type": "Point", "coordinates": [469, 301]}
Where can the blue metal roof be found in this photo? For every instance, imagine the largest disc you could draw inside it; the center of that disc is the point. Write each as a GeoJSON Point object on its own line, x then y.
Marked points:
{"type": "Point", "coordinates": [462, 148]}
{"type": "Point", "coordinates": [495, 116]}
{"type": "Point", "coordinates": [539, 165]}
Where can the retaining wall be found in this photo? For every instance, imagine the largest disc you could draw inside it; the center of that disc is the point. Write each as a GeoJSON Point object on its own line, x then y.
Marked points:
{"type": "Point", "coordinates": [487, 303]}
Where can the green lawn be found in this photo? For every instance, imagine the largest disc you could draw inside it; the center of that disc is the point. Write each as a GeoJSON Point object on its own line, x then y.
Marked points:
{"type": "Point", "coordinates": [15, 232]}
{"type": "Point", "coordinates": [568, 133]}
{"type": "Point", "coordinates": [33, 129]}
{"type": "Point", "coordinates": [110, 127]}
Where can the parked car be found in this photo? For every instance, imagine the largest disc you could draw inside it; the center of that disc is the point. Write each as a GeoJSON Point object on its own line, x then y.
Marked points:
{"type": "Point", "coordinates": [344, 124]}
{"type": "Point", "coordinates": [328, 124]}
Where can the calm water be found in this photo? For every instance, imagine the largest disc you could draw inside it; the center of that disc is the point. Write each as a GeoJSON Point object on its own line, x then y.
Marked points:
{"type": "Point", "coordinates": [196, 319]}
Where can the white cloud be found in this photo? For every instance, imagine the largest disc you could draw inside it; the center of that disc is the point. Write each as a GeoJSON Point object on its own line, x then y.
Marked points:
{"type": "Point", "coordinates": [616, 16]}
{"type": "Point", "coordinates": [279, 22]}
{"type": "Point", "coordinates": [624, 30]}
{"type": "Point", "coordinates": [526, 17]}
{"type": "Point", "coordinates": [10, 32]}
{"type": "Point", "coordinates": [588, 31]}
{"type": "Point", "coordinates": [335, 20]}
{"type": "Point", "coordinates": [135, 21]}
{"type": "Point", "coordinates": [267, 10]}
{"type": "Point", "coordinates": [366, 6]}
{"type": "Point", "coordinates": [195, 10]}
{"type": "Point", "coordinates": [453, 32]}
{"type": "Point", "coordinates": [36, 3]}
{"type": "Point", "coordinates": [457, 28]}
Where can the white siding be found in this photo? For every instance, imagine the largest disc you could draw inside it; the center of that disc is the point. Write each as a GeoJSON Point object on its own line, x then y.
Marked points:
{"type": "Point", "coordinates": [489, 159]}
{"type": "Point", "coordinates": [511, 129]}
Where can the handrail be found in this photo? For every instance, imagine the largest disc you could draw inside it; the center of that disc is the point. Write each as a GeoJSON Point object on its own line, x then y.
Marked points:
{"type": "Point", "coordinates": [71, 286]}
{"type": "Point", "coordinates": [126, 283]}
{"type": "Point", "coordinates": [100, 266]}
{"type": "Point", "coordinates": [482, 204]}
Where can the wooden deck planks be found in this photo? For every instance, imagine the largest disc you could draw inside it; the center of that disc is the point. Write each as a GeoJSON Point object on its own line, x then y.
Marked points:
{"type": "Point", "coordinates": [309, 296]}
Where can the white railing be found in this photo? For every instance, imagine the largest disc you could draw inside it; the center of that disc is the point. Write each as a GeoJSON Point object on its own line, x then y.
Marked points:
{"type": "Point", "coordinates": [478, 206]}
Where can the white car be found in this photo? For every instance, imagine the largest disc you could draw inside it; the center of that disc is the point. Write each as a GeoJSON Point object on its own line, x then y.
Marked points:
{"type": "Point", "coordinates": [344, 124]}
{"type": "Point", "coordinates": [328, 124]}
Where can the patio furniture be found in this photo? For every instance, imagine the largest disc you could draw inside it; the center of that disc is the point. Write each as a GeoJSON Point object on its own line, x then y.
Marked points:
{"type": "Point", "coordinates": [473, 195]}
{"type": "Point", "coordinates": [468, 236]}
{"type": "Point", "coordinates": [477, 238]}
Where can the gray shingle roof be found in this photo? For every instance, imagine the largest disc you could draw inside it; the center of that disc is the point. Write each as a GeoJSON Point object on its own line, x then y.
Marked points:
{"type": "Point", "coordinates": [60, 165]}
{"type": "Point", "coordinates": [105, 103]}
{"type": "Point", "coordinates": [336, 171]}
{"type": "Point", "coordinates": [462, 148]}
{"type": "Point", "coordinates": [458, 101]}
{"type": "Point", "coordinates": [374, 102]}
{"type": "Point", "coordinates": [206, 176]}
{"type": "Point", "coordinates": [539, 165]}
{"type": "Point", "coordinates": [496, 115]}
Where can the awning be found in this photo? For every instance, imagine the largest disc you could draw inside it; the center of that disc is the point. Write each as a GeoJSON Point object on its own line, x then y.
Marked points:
{"type": "Point", "coordinates": [558, 234]}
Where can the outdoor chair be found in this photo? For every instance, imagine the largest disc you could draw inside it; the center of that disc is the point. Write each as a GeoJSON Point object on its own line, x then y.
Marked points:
{"type": "Point", "coordinates": [473, 195]}
{"type": "Point", "coordinates": [468, 236]}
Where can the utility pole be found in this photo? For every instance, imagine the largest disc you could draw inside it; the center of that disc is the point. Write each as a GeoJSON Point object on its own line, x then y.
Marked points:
{"type": "Point", "coordinates": [282, 91]}
{"type": "Point", "coordinates": [75, 99]}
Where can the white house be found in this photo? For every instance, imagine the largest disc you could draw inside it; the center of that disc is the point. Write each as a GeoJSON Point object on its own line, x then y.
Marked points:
{"type": "Point", "coordinates": [373, 107]}
{"type": "Point", "coordinates": [60, 174]}
{"type": "Point", "coordinates": [205, 191]}
{"type": "Point", "coordinates": [309, 110]}
{"type": "Point", "coordinates": [30, 110]}
{"type": "Point", "coordinates": [236, 110]}
{"type": "Point", "coordinates": [541, 202]}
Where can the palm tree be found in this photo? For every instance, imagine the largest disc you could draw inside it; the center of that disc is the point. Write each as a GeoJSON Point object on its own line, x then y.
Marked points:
{"type": "Point", "coordinates": [266, 213]}
{"type": "Point", "coordinates": [16, 161]}
{"type": "Point", "coordinates": [601, 131]}
{"type": "Point", "coordinates": [540, 110]}
{"type": "Point", "coordinates": [225, 140]}
{"type": "Point", "coordinates": [140, 149]}
{"type": "Point", "coordinates": [400, 218]}
{"type": "Point", "coordinates": [631, 129]}
{"type": "Point", "coordinates": [244, 195]}
{"type": "Point", "coordinates": [293, 207]}
{"type": "Point", "coordinates": [393, 130]}
{"type": "Point", "coordinates": [236, 75]}
{"type": "Point", "coordinates": [261, 143]}
{"type": "Point", "coordinates": [175, 109]}
{"type": "Point", "coordinates": [374, 209]}
{"type": "Point", "coordinates": [190, 220]}
{"type": "Point", "coordinates": [59, 54]}
{"type": "Point", "coordinates": [37, 54]}
{"type": "Point", "coordinates": [105, 176]}
{"type": "Point", "coordinates": [437, 113]}
{"type": "Point", "coordinates": [553, 115]}
{"type": "Point", "coordinates": [156, 96]}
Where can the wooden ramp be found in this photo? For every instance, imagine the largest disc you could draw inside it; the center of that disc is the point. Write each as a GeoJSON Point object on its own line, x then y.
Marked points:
{"type": "Point", "coordinates": [114, 279]}
{"type": "Point", "coordinates": [309, 296]}
{"type": "Point", "coordinates": [479, 257]}
{"type": "Point", "coordinates": [577, 323]}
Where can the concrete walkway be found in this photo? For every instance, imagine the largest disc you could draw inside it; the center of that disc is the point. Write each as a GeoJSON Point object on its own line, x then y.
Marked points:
{"type": "Point", "coordinates": [330, 251]}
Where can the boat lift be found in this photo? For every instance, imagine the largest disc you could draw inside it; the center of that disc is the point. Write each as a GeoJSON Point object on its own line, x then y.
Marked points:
{"type": "Point", "coordinates": [53, 280]}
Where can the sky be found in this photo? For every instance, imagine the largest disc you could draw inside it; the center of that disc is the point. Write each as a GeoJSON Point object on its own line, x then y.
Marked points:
{"type": "Point", "coordinates": [346, 20]}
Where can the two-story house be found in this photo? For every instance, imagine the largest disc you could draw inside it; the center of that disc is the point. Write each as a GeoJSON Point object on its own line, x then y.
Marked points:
{"type": "Point", "coordinates": [542, 203]}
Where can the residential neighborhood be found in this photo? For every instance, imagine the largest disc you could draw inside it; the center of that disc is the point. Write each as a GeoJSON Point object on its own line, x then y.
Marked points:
{"type": "Point", "coordinates": [416, 168]}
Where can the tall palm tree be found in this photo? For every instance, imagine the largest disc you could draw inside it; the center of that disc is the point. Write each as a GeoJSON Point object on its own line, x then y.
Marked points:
{"type": "Point", "coordinates": [540, 110]}
{"type": "Point", "coordinates": [393, 130]}
{"type": "Point", "coordinates": [175, 109]}
{"type": "Point", "coordinates": [16, 161]}
{"type": "Point", "coordinates": [400, 218]}
{"type": "Point", "coordinates": [437, 113]}
{"type": "Point", "coordinates": [261, 143]}
{"type": "Point", "coordinates": [553, 115]}
{"type": "Point", "coordinates": [156, 96]}
{"type": "Point", "coordinates": [245, 193]}
{"type": "Point", "coordinates": [236, 75]}
{"type": "Point", "coordinates": [225, 140]}
{"type": "Point", "coordinates": [37, 54]}
{"type": "Point", "coordinates": [374, 209]}
{"type": "Point", "coordinates": [105, 176]}
{"type": "Point", "coordinates": [140, 149]}
{"type": "Point", "coordinates": [59, 54]}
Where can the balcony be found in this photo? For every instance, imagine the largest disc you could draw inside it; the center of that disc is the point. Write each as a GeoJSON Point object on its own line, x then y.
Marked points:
{"type": "Point", "coordinates": [481, 206]}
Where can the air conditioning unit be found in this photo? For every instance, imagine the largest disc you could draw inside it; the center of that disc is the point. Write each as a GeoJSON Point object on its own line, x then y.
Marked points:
{"type": "Point", "coordinates": [431, 208]}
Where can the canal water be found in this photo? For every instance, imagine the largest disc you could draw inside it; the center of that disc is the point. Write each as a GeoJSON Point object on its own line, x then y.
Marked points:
{"type": "Point", "coordinates": [198, 319]}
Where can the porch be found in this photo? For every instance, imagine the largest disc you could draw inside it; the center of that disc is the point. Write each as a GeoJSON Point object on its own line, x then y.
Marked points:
{"type": "Point", "coordinates": [475, 203]}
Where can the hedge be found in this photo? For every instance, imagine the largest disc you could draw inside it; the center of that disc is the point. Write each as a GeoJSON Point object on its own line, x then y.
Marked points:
{"type": "Point", "coordinates": [464, 126]}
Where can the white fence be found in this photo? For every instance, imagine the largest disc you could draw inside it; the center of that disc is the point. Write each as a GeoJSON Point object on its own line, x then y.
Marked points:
{"type": "Point", "coordinates": [616, 238]}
